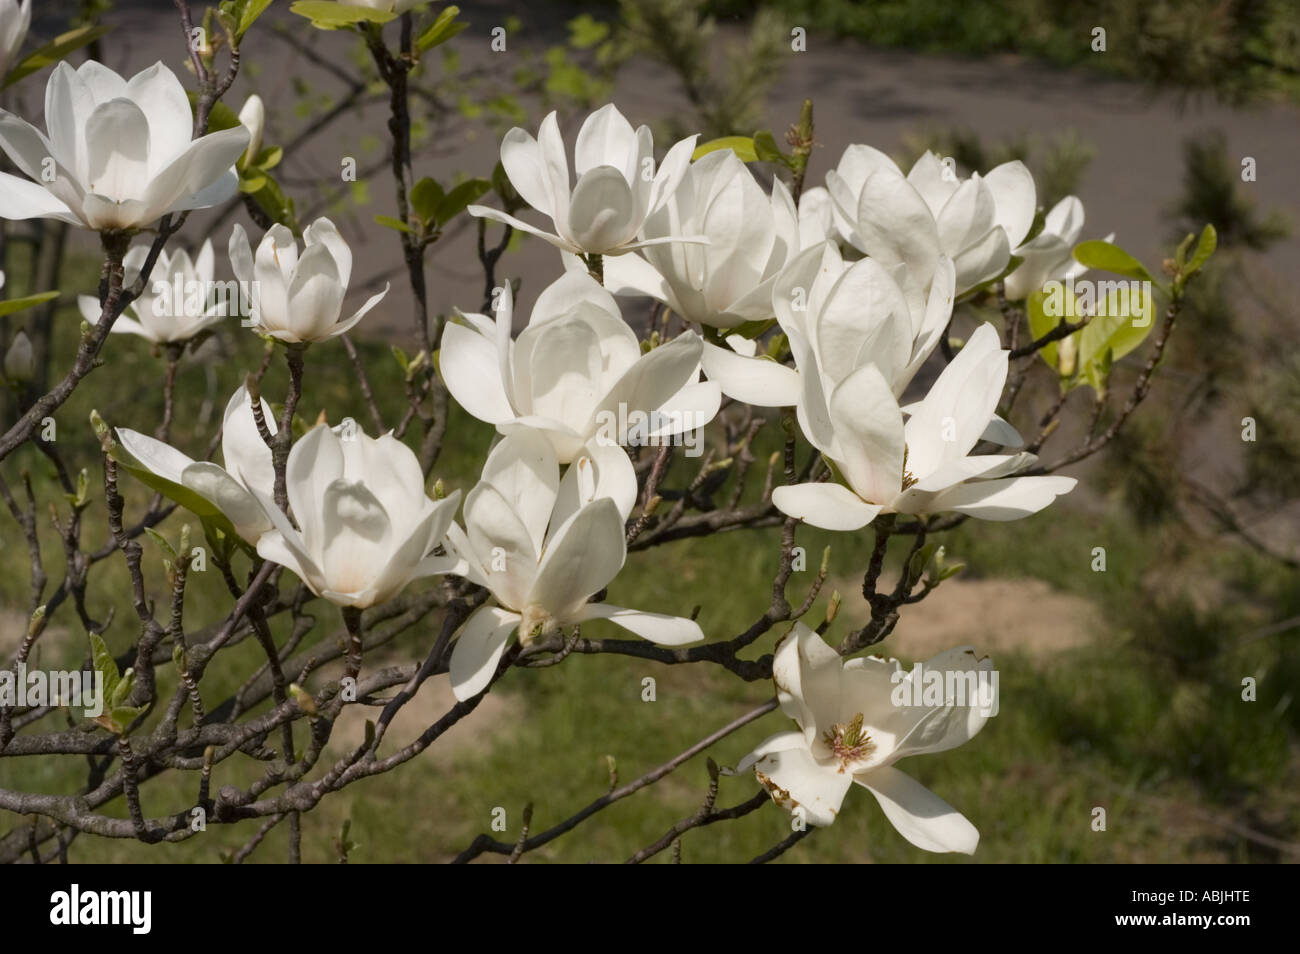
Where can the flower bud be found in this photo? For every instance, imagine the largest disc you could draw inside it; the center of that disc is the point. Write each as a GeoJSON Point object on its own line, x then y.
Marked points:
{"type": "Point", "coordinates": [19, 362]}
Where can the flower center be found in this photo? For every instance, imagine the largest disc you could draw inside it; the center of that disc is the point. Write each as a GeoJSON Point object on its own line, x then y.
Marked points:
{"type": "Point", "coordinates": [536, 625]}
{"type": "Point", "coordinates": [848, 742]}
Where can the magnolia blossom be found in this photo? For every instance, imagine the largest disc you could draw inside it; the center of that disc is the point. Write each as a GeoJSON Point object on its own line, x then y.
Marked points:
{"type": "Point", "coordinates": [119, 154]}
{"type": "Point", "coordinates": [575, 369]}
{"type": "Point", "coordinates": [178, 303]}
{"type": "Point", "coordinates": [850, 730]}
{"type": "Point", "coordinates": [836, 317]}
{"type": "Point", "coordinates": [1047, 255]}
{"type": "Point", "coordinates": [751, 236]}
{"type": "Point", "coordinates": [298, 299]}
{"type": "Point", "coordinates": [367, 528]}
{"type": "Point", "coordinates": [924, 465]}
{"type": "Point", "coordinates": [232, 489]}
{"type": "Point", "coordinates": [618, 187]}
{"type": "Point", "coordinates": [931, 213]}
{"type": "Point", "coordinates": [15, 18]}
{"type": "Point", "coordinates": [543, 546]}
{"type": "Point", "coordinates": [19, 363]}
{"type": "Point", "coordinates": [252, 116]}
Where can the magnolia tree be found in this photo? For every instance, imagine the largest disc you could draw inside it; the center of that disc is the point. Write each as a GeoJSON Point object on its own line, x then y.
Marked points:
{"type": "Point", "coordinates": [876, 331]}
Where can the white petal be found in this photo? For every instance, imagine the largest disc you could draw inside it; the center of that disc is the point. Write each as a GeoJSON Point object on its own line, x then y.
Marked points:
{"type": "Point", "coordinates": [761, 382]}
{"type": "Point", "coordinates": [470, 370]}
{"type": "Point", "coordinates": [656, 627]}
{"type": "Point", "coordinates": [798, 782]}
{"type": "Point", "coordinates": [920, 816]}
{"type": "Point", "coordinates": [1016, 198]}
{"type": "Point", "coordinates": [581, 557]}
{"type": "Point", "coordinates": [478, 649]}
{"type": "Point", "coordinates": [158, 458]}
{"type": "Point", "coordinates": [1008, 498]}
{"type": "Point", "coordinates": [828, 506]}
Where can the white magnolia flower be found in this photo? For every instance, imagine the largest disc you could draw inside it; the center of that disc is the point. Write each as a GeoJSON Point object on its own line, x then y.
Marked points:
{"type": "Point", "coordinates": [1047, 256]}
{"type": "Point", "coordinates": [617, 188]}
{"type": "Point", "coordinates": [728, 281]}
{"type": "Point", "coordinates": [543, 546]}
{"type": "Point", "coordinates": [914, 220]}
{"type": "Point", "coordinates": [252, 116]}
{"type": "Point", "coordinates": [119, 154]}
{"type": "Point", "coordinates": [816, 217]}
{"type": "Point", "coordinates": [836, 317]}
{"type": "Point", "coordinates": [576, 368]}
{"type": "Point", "coordinates": [367, 528]}
{"type": "Point", "coordinates": [15, 18]}
{"type": "Point", "coordinates": [231, 489]}
{"type": "Point", "coordinates": [179, 301]}
{"type": "Point", "coordinates": [851, 731]}
{"type": "Point", "coordinates": [19, 363]}
{"type": "Point", "coordinates": [298, 299]}
{"type": "Point", "coordinates": [923, 466]}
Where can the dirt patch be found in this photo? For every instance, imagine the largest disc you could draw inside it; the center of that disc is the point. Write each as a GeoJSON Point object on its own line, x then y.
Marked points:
{"type": "Point", "coordinates": [994, 616]}
{"type": "Point", "coordinates": [495, 715]}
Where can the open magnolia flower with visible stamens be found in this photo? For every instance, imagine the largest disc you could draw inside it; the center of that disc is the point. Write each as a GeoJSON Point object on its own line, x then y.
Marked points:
{"type": "Point", "coordinates": [931, 212]}
{"type": "Point", "coordinates": [298, 299]}
{"type": "Point", "coordinates": [575, 372]}
{"type": "Point", "coordinates": [366, 528]}
{"type": "Point", "coordinates": [177, 303]}
{"type": "Point", "coordinates": [618, 186]}
{"type": "Point", "coordinates": [922, 466]}
{"type": "Point", "coordinates": [231, 488]}
{"type": "Point", "coordinates": [119, 154]}
{"type": "Point", "coordinates": [851, 731]}
{"type": "Point", "coordinates": [544, 546]}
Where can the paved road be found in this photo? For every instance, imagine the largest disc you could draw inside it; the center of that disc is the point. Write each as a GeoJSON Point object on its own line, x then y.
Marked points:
{"type": "Point", "coordinates": [861, 94]}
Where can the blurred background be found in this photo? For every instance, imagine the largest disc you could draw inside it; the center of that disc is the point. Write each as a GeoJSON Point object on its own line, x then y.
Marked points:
{"type": "Point", "coordinates": [1120, 689]}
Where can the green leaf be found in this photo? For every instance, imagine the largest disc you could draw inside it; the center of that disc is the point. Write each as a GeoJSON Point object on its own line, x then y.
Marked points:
{"type": "Point", "coordinates": [252, 182]}
{"type": "Point", "coordinates": [268, 158]}
{"type": "Point", "coordinates": [454, 202]}
{"type": "Point", "coordinates": [441, 30]}
{"type": "Point", "coordinates": [201, 507]}
{"type": "Point", "coordinates": [1040, 322]}
{"type": "Point", "coordinates": [252, 10]}
{"type": "Point", "coordinates": [766, 149]}
{"type": "Point", "coordinates": [1110, 258]}
{"type": "Point", "coordinates": [387, 221]}
{"type": "Point", "coordinates": [122, 690]}
{"type": "Point", "coordinates": [104, 663]}
{"type": "Point", "coordinates": [1122, 322]}
{"type": "Point", "coordinates": [220, 116]}
{"type": "Point", "coordinates": [272, 200]}
{"type": "Point", "coordinates": [328, 15]}
{"type": "Point", "coordinates": [426, 196]}
{"type": "Point", "coordinates": [742, 146]}
{"type": "Point", "coordinates": [1205, 247]}
{"type": "Point", "coordinates": [162, 542]}
{"type": "Point", "coordinates": [52, 52]}
{"type": "Point", "coordinates": [12, 305]}
{"type": "Point", "coordinates": [752, 329]}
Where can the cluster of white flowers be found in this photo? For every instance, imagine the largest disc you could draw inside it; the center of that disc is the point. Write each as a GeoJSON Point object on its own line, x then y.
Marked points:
{"type": "Point", "coordinates": [544, 529]}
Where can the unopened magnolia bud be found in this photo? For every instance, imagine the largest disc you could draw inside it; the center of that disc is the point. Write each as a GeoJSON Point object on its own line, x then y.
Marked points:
{"type": "Point", "coordinates": [253, 117]}
{"type": "Point", "coordinates": [1067, 353]}
{"type": "Point", "coordinates": [19, 362]}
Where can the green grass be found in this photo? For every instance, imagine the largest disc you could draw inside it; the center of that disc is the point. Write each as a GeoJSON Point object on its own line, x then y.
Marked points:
{"type": "Point", "coordinates": [1146, 722]}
